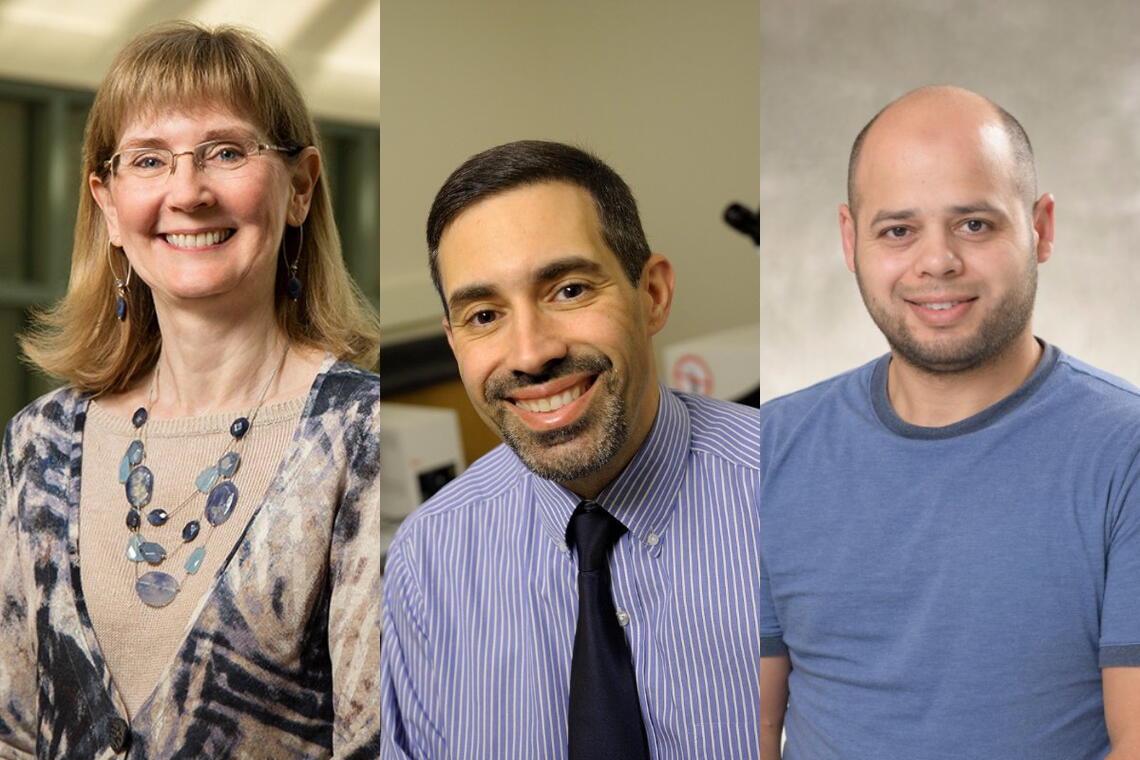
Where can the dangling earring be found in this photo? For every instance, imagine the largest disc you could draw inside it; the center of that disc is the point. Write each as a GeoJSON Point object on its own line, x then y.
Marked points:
{"type": "Point", "coordinates": [293, 287]}
{"type": "Point", "coordinates": [120, 285]}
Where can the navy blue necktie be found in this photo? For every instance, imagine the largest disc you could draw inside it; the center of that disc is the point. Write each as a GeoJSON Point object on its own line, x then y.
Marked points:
{"type": "Point", "coordinates": [605, 715]}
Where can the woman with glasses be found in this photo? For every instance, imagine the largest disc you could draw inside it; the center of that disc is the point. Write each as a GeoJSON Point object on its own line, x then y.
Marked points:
{"type": "Point", "coordinates": [189, 561]}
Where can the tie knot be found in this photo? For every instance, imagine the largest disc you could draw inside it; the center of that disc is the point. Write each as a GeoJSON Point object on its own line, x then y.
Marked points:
{"type": "Point", "coordinates": [593, 531]}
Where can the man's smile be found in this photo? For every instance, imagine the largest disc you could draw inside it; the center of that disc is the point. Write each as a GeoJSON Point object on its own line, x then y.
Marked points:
{"type": "Point", "coordinates": [552, 404]}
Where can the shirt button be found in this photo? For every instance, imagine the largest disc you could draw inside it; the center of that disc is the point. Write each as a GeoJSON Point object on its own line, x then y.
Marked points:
{"type": "Point", "coordinates": [562, 547]}
{"type": "Point", "coordinates": [623, 618]}
{"type": "Point", "coordinates": [652, 539]}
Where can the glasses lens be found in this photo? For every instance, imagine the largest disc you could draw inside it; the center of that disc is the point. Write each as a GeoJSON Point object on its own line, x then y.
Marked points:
{"type": "Point", "coordinates": [224, 154]}
{"type": "Point", "coordinates": [143, 162]}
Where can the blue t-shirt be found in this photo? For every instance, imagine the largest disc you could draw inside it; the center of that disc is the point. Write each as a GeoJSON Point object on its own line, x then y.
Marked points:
{"type": "Point", "coordinates": [951, 593]}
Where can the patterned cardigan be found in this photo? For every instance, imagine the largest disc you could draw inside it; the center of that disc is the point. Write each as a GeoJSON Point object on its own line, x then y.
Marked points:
{"type": "Point", "coordinates": [281, 659]}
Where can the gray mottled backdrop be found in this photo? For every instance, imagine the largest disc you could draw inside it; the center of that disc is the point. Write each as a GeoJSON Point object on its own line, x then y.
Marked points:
{"type": "Point", "coordinates": [1070, 74]}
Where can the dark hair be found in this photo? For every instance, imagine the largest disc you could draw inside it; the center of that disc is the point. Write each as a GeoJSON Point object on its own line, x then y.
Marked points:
{"type": "Point", "coordinates": [1025, 173]}
{"type": "Point", "coordinates": [529, 162]}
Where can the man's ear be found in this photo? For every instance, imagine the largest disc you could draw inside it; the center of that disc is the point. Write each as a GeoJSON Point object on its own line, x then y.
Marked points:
{"type": "Point", "coordinates": [847, 233]}
{"type": "Point", "coordinates": [447, 332]}
{"type": "Point", "coordinates": [657, 283]}
{"type": "Point", "coordinates": [306, 171]}
{"type": "Point", "coordinates": [1043, 227]}
{"type": "Point", "coordinates": [102, 195]}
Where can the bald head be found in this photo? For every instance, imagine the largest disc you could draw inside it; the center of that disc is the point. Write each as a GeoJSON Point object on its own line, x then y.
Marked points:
{"type": "Point", "coordinates": [943, 112]}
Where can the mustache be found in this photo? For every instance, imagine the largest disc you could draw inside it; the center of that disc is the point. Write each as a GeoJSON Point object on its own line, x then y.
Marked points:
{"type": "Point", "coordinates": [499, 386]}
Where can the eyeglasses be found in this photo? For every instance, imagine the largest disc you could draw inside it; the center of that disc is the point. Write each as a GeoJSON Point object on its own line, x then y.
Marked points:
{"type": "Point", "coordinates": [211, 156]}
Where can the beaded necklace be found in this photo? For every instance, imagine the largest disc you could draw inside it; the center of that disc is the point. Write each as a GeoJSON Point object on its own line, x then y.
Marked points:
{"type": "Point", "coordinates": [157, 588]}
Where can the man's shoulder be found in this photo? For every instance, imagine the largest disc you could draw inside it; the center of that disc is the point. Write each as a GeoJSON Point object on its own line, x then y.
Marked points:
{"type": "Point", "coordinates": [492, 477]}
{"type": "Point", "coordinates": [722, 428]}
{"type": "Point", "coordinates": [1097, 386]}
{"type": "Point", "coordinates": [798, 404]}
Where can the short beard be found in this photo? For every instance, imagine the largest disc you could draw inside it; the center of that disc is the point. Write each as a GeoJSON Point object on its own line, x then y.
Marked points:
{"type": "Point", "coordinates": [608, 420]}
{"type": "Point", "coordinates": [997, 333]}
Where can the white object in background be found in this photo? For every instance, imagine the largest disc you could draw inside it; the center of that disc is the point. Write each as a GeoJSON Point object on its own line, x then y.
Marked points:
{"type": "Point", "coordinates": [723, 364]}
{"type": "Point", "coordinates": [420, 451]}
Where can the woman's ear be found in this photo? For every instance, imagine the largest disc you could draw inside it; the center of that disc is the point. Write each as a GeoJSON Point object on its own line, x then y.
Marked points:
{"type": "Point", "coordinates": [306, 172]}
{"type": "Point", "coordinates": [102, 195]}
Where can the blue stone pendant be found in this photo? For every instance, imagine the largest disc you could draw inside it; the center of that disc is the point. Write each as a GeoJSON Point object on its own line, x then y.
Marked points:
{"type": "Point", "coordinates": [153, 553]}
{"type": "Point", "coordinates": [293, 288]}
{"type": "Point", "coordinates": [138, 419]}
{"type": "Point", "coordinates": [135, 451]}
{"type": "Point", "coordinates": [124, 468]}
{"type": "Point", "coordinates": [133, 544]}
{"type": "Point", "coordinates": [190, 532]}
{"type": "Point", "coordinates": [239, 427]}
{"type": "Point", "coordinates": [140, 487]}
{"type": "Point", "coordinates": [206, 479]}
{"type": "Point", "coordinates": [121, 309]}
{"type": "Point", "coordinates": [132, 519]}
{"type": "Point", "coordinates": [194, 561]}
{"type": "Point", "coordinates": [157, 517]}
{"type": "Point", "coordinates": [228, 464]}
{"type": "Point", "coordinates": [220, 503]}
{"type": "Point", "coordinates": [156, 589]}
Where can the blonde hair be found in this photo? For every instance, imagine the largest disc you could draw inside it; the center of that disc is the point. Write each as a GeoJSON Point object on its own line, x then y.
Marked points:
{"type": "Point", "coordinates": [174, 65]}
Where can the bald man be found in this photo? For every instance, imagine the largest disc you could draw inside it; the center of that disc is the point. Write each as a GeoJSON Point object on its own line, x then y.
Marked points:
{"type": "Point", "coordinates": [950, 541]}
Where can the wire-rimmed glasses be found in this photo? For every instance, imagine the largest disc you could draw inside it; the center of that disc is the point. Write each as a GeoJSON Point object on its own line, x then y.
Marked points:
{"type": "Point", "coordinates": [149, 163]}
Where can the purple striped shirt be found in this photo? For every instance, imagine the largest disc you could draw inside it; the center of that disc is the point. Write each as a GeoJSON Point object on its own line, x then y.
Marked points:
{"type": "Point", "coordinates": [481, 599]}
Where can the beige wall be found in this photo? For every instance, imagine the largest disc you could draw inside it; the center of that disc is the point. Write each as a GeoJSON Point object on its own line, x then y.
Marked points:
{"type": "Point", "coordinates": [666, 92]}
{"type": "Point", "coordinates": [329, 45]}
{"type": "Point", "coordinates": [1068, 72]}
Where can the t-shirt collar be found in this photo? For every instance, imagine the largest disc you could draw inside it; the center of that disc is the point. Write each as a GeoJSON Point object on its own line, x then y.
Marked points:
{"type": "Point", "coordinates": [982, 419]}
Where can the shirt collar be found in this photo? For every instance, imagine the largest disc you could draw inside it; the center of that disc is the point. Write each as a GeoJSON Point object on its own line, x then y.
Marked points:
{"type": "Point", "coordinates": [642, 495]}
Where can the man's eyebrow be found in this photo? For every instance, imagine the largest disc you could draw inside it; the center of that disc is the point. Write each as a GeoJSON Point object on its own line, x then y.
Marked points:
{"type": "Point", "coordinates": [561, 267]}
{"type": "Point", "coordinates": [894, 215]}
{"type": "Point", "coordinates": [478, 291]}
{"type": "Point", "coordinates": [468, 293]}
{"type": "Point", "coordinates": [981, 207]}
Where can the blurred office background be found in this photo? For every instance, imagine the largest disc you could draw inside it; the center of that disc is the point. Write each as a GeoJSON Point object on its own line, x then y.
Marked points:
{"type": "Point", "coordinates": [53, 54]}
{"type": "Point", "coordinates": [1069, 72]}
{"type": "Point", "coordinates": [665, 91]}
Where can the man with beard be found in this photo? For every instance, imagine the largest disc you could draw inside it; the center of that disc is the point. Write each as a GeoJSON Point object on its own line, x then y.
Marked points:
{"type": "Point", "coordinates": [591, 588]}
{"type": "Point", "coordinates": [951, 534]}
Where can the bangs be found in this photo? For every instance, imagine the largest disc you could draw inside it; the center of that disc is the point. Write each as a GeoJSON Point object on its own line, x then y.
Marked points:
{"type": "Point", "coordinates": [184, 67]}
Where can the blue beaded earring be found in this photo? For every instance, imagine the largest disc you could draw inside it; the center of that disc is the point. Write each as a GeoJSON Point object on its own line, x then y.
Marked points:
{"type": "Point", "coordinates": [293, 287]}
{"type": "Point", "coordinates": [120, 284]}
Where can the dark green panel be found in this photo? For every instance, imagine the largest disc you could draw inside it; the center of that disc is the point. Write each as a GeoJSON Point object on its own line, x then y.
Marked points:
{"type": "Point", "coordinates": [352, 166]}
{"type": "Point", "coordinates": [13, 379]}
{"type": "Point", "coordinates": [14, 190]}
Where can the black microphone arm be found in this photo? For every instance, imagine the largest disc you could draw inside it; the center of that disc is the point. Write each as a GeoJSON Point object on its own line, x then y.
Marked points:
{"type": "Point", "coordinates": [743, 219]}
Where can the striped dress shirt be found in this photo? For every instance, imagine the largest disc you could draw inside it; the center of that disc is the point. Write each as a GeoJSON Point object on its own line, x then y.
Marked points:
{"type": "Point", "coordinates": [481, 599]}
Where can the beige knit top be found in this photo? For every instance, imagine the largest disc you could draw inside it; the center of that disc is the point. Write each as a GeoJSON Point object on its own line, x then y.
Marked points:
{"type": "Point", "coordinates": [138, 641]}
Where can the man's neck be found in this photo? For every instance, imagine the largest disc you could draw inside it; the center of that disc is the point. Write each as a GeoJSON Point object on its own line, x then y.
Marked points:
{"type": "Point", "coordinates": [937, 399]}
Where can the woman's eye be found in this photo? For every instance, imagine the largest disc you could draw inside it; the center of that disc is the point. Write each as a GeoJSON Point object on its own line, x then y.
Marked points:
{"type": "Point", "coordinates": [225, 153]}
{"type": "Point", "coordinates": [148, 161]}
